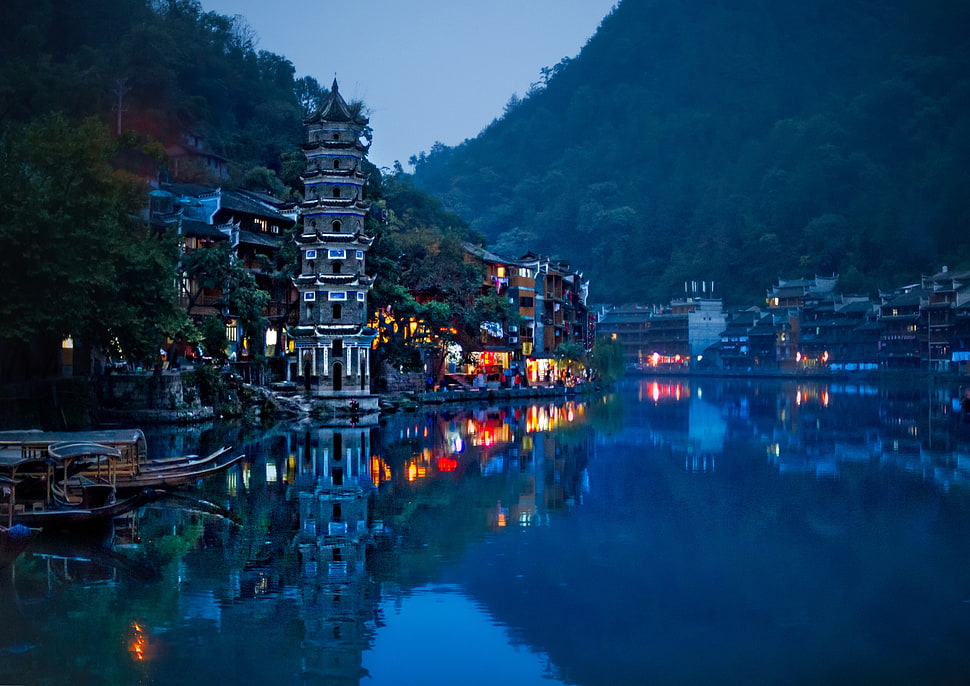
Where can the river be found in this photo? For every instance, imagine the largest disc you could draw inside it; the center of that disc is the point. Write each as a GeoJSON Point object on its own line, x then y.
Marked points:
{"type": "Point", "coordinates": [696, 531]}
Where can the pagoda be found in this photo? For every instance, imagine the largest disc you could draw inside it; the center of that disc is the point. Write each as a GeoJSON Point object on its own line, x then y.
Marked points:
{"type": "Point", "coordinates": [332, 340]}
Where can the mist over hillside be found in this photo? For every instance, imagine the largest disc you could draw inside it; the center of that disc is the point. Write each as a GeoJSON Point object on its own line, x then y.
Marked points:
{"type": "Point", "coordinates": [734, 141]}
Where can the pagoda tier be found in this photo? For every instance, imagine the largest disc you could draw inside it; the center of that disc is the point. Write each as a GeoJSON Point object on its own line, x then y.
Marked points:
{"type": "Point", "coordinates": [331, 331]}
{"type": "Point", "coordinates": [335, 145]}
{"type": "Point", "coordinates": [311, 174]}
{"type": "Point", "coordinates": [319, 237]}
{"type": "Point", "coordinates": [333, 203]}
{"type": "Point", "coordinates": [357, 280]}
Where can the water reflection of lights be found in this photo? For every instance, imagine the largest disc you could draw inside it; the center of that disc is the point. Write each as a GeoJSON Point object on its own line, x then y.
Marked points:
{"type": "Point", "coordinates": [447, 440]}
{"type": "Point", "coordinates": [447, 464]}
{"type": "Point", "coordinates": [657, 391]}
{"type": "Point", "coordinates": [138, 642]}
{"type": "Point", "coordinates": [380, 471]}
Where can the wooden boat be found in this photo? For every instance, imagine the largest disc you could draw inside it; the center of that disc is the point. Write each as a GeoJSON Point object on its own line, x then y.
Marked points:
{"type": "Point", "coordinates": [61, 515]}
{"type": "Point", "coordinates": [119, 457]}
{"type": "Point", "coordinates": [169, 473]}
{"type": "Point", "coordinates": [173, 477]}
{"type": "Point", "coordinates": [66, 480]}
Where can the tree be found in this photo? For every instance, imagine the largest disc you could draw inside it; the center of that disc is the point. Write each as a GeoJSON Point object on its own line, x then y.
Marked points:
{"type": "Point", "coordinates": [76, 258]}
{"type": "Point", "coordinates": [571, 353]}
{"type": "Point", "coordinates": [606, 359]}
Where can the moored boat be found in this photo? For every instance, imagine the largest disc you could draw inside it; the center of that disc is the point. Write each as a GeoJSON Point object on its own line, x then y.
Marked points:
{"type": "Point", "coordinates": [66, 480]}
{"type": "Point", "coordinates": [119, 457]}
{"type": "Point", "coordinates": [61, 515]}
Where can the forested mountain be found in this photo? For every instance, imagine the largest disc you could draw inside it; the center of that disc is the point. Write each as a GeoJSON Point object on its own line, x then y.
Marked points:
{"type": "Point", "coordinates": [160, 68]}
{"type": "Point", "coordinates": [735, 141]}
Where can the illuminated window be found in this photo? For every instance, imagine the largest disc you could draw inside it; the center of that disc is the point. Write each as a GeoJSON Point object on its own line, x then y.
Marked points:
{"type": "Point", "coordinates": [338, 295]}
{"type": "Point", "coordinates": [337, 254]}
{"type": "Point", "coordinates": [311, 254]}
{"type": "Point", "coordinates": [309, 296]}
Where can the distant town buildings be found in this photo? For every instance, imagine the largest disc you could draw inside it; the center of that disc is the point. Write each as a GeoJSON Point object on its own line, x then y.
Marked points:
{"type": "Point", "coordinates": [804, 325]}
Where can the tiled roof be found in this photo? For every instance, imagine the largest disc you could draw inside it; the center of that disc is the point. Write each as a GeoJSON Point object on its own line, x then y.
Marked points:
{"type": "Point", "coordinates": [191, 227]}
{"type": "Point", "coordinates": [335, 108]}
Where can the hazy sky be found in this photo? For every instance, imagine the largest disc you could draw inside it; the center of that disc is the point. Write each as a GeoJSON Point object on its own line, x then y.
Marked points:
{"type": "Point", "coordinates": [428, 70]}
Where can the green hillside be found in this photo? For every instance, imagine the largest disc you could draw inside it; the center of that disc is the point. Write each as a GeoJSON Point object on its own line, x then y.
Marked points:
{"type": "Point", "coordinates": [171, 69]}
{"type": "Point", "coordinates": [734, 141]}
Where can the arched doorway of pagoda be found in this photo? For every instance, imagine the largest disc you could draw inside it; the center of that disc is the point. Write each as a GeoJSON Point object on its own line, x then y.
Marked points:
{"type": "Point", "coordinates": [338, 376]}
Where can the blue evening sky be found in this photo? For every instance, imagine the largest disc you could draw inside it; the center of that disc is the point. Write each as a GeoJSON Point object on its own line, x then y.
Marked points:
{"type": "Point", "coordinates": [428, 70]}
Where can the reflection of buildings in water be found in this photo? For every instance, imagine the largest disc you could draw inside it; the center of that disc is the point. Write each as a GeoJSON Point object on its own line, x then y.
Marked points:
{"type": "Point", "coordinates": [676, 415]}
{"type": "Point", "coordinates": [803, 427]}
{"type": "Point", "coordinates": [825, 429]}
{"type": "Point", "coordinates": [332, 482]}
{"type": "Point", "coordinates": [520, 444]}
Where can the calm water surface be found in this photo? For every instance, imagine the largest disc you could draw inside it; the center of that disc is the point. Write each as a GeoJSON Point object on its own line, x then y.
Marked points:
{"type": "Point", "coordinates": [673, 532]}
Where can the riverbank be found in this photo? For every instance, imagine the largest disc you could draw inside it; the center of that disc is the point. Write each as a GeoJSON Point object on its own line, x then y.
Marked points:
{"type": "Point", "coordinates": [477, 395]}
{"type": "Point", "coordinates": [185, 397]}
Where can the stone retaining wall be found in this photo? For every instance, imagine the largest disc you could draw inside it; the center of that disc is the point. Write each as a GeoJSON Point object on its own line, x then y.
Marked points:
{"type": "Point", "coordinates": [149, 397]}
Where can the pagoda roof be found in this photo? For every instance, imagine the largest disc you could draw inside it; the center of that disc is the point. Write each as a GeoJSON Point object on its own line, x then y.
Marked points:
{"type": "Point", "coordinates": [334, 108]}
